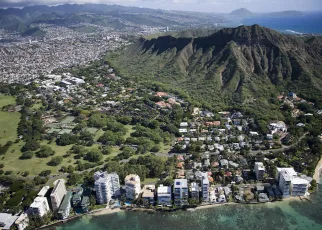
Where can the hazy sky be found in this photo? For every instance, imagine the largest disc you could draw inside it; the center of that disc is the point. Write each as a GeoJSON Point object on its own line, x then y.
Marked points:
{"type": "Point", "coordinates": [192, 5]}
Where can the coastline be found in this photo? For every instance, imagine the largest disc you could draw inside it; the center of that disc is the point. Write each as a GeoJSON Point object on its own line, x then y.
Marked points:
{"type": "Point", "coordinates": [105, 212]}
{"type": "Point", "coordinates": [317, 171]}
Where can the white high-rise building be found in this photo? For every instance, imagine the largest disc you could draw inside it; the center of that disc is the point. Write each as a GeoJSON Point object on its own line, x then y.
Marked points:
{"type": "Point", "coordinates": [205, 187]}
{"type": "Point", "coordinates": [259, 170]}
{"type": "Point", "coordinates": [132, 186]}
{"type": "Point", "coordinates": [106, 186]}
{"type": "Point", "coordinates": [40, 206]}
{"type": "Point", "coordinates": [115, 184]}
{"type": "Point", "coordinates": [291, 184]}
{"type": "Point", "coordinates": [285, 183]}
{"type": "Point", "coordinates": [180, 190]}
{"type": "Point", "coordinates": [58, 193]}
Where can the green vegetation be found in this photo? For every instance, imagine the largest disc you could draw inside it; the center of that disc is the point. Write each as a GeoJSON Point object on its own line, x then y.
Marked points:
{"type": "Point", "coordinates": [8, 120]}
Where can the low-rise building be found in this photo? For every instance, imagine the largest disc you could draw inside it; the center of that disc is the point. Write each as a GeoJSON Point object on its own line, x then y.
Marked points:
{"type": "Point", "coordinates": [164, 195]}
{"type": "Point", "coordinates": [148, 194]}
{"type": "Point", "coordinates": [65, 206]}
{"type": "Point", "coordinates": [7, 220]}
{"type": "Point", "coordinates": [22, 222]}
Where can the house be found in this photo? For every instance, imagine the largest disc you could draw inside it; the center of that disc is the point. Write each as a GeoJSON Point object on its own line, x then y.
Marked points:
{"type": "Point", "coordinates": [161, 94]}
{"type": "Point", "coordinates": [183, 130]}
{"type": "Point", "coordinates": [269, 136]}
{"type": "Point", "coordinates": [233, 164]}
{"type": "Point", "coordinates": [224, 163]}
{"type": "Point", "coordinates": [227, 191]}
{"type": "Point", "coordinates": [164, 195]}
{"type": "Point", "coordinates": [184, 124]}
{"type": "Point", "coordinates": [253, 133]}
{"type": "Point", "coordinates": [263, 198]}
{"type": "Point", "coordinates": [22, 222]}
{"type": "Point", "coordinates": [148, 194]}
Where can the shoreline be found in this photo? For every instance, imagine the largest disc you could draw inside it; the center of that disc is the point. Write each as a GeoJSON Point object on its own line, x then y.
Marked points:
{"type": "Point", "coordinates": [102, 212]}
{"type": "Point", "coordinates": [318, 167]}
{"type": "Point", "coordinates": [105, 212]}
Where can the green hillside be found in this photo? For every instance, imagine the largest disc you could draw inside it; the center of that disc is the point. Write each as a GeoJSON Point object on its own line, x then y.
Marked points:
{"type": "Point", "coordinates": [244, 66]}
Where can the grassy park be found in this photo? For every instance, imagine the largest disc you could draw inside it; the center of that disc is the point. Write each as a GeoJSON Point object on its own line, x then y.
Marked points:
{"type": "Point", "coordinates": [8, 121]}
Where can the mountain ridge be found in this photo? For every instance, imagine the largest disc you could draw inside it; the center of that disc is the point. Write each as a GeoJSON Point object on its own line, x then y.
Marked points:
{"type": "Point", "coordinates": [234, 65]}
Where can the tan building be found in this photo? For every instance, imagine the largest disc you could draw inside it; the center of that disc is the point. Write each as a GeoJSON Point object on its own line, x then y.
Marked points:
{"type": "Point", "coordinates": [132, 186]}
{"type": "Point", "coordinates": [58, 194]}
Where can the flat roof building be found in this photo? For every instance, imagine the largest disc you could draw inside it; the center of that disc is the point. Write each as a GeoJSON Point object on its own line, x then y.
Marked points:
{"type": "Point", "coordinates": [164, 195]}
{"type": "Point", "coordinates": [58, 194]}
{"type": "Point", "coordinates": [7, 220]}
{"type": "Point", "coordinates": [40, 206]}
{"type": "Point", "coordinates": [180, 192]}
{"type": "Point", "coordinates": [148, 194]}
{"type": "Point", "coordinates": [65, 206]}
{"type": "Point", "coordinates": [132, 186]}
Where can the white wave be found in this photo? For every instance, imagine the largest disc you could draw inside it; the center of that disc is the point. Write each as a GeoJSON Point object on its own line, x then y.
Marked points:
{"type": "Point", "coordinates": [293, 32]}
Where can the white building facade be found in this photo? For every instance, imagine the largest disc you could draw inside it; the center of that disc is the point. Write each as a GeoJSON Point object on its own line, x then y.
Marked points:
{"type": "Point", "coordinates": [132, 186]}
{"type": "Point", "coordinates": [40, 206]}
{"type": "Point", "coordinates": [205, 187]}
{"type": "Point", "coordinates": [58, 194]}
{"type": "Point", "coordinates": [164, 195]}
{"type": "Point", "coordinates": [259, 170]}
{"type": "Point", "coordinates": [106, 186]}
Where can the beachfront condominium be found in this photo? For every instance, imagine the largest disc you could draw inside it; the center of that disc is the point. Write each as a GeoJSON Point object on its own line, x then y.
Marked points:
{"type": "Point", "coordinates": [115, 184]}
{"type": "Point", "coordinates": [40, 206]}
{"type": "Point", "coordinates": [65, 206]}
{"type": "Point", "coordinates": [102, 188]}
{"type": "Point", "coordinates": [58, 194]}
{"type": "Point", "coordinates": [285, 183]}
{"type": "Point", "coordinates": [205, 187]}
{"type": "Point", "coordinates": [194, 191]}
{"type": "Point", "coordinates": [164, 195]}
{"type": "Point", "coordinates": [180, 189]}
{"type": "Point", "coordinates": [106, 186]}
{"type": "Point", "coordinates": [259, 170]}
{"type": "Point", "coordinates": [290, 184]}
{"type": "Point", "coordinates": [132, 186]}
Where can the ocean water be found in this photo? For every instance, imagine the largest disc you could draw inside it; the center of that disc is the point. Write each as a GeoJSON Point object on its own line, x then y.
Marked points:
{"type": "Point", "coordinates": [307, 23]}
{"type": "Point", "coordinates": [293, 215]}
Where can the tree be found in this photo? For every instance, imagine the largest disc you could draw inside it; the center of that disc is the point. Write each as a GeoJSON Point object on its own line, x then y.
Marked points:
{"type": "Point", "coordinates": [45, 151]}
{"type": "Point", "coordinates": [94, 156]}
{"type": "Point", "coordinates": [67, 139]}
{"type": "Point", "coordinates": [31, 145]}
{"type": "Point", "coordinates": [97, 120]}
{"type": "Point", "coordinates": [55, 161]}
{"type": "Point", "coordinates": [26, 155]}
{"type": "Point", "coordinates": [45, 173]}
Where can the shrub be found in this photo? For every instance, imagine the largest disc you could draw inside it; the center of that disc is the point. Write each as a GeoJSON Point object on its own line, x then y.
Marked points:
{"type": "Point", "coordinates": [26, 155]}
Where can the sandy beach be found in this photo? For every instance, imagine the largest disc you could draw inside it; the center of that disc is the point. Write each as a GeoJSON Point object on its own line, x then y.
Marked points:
{"type": "Point", "coordinates": [317, 169]}
{"type": "Point", "coordinates": [213, 205]}
{"type": "Point", "coordinates": [105, 212]}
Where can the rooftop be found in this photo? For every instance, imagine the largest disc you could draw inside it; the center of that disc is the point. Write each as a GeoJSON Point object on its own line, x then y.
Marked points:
{"type": "Point", "coordinates": [180, 183]}
{"type": "Point", "coordinates": [7, 220]}
{"type": "Point", "coordinates": [164, 189]}
{"type": "Point", "coordinates": [43, 191]}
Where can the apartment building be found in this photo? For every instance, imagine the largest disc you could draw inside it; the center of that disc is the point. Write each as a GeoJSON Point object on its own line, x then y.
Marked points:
{"type": "Point", "coordinates": [65, 206]}
{"type": "Point", "coordinates": [290, 184]}
{"type": "Point", "coordinates": [194, 191]}
{"type": "Point", "coordinates": [259, 170]}
{"type": "Point", "coordinates": [180, 190]}
{"type": "Point", "coordinates": [40, 206]}
{"type": "Point", "coordinates": [132, 186]}
{"type": "Point", "coordinates": [299, 187]}
{"type": "Point", "coordinates": [205, 187]}
{"type": "Point", "coordinates": [164, 195]}
{"type": "Point", "coordinates": [58, 194]}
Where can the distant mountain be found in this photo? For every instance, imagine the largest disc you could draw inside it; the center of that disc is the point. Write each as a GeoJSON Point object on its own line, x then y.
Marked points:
{"type": "Point", "coordinates": [114, 16]}
{"type": "Point", "coordinates": [244, 65]}
{"type": "Point", "coordinates": [241, 13]}
{"type": "Point", "coordinates": [34, 32]}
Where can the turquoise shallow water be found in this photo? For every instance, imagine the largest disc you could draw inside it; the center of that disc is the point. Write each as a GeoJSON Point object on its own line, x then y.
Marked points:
{"type": "Point", "coordinates": [293, 215]}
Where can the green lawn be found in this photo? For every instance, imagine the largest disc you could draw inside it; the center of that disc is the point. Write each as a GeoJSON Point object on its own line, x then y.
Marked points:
{"type": "Point", "coordinates": [8, 121]}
